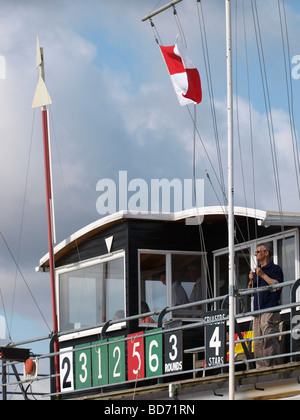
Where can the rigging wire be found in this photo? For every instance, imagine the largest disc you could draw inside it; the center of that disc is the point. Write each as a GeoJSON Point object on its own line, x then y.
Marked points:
{"type": "Point", "coordinates": [205, 49]}
{"type": "Point", "coordinates": [290, 100]}
{"type": "Point", "coordinates": [208, 157]}
{"type": "Point", "coordinates": [5, 314]}
{"type": "Point", "coordinates": [155, 33]}
{"type": "Point", "coordinates": [238, 120]}
{"type": "Point", "coordinates": [269, 112]}
{"type": "Point", "coordinates": [267, 101]}
{"type": "Point", "coordinates": [179, 25]}
{"type": "Point", "coordinates": [209, 284]}
{"type": "Point", "coordinates": [22, 219]}
{"type": "Point", "coordinates": [23, 277]}
{"type": "Point", "coordinates": [250, 115]}
{"type": "Point", "coordinates": [156, 7]}
{"type": "Point", "coordinates": [17, 258]}
{"type": "Point", "coordinates": [196, 133]}
{"type": "Point", "coordinates": [289, 88]}
{"type": "Point", "coordinates": [220, 179]}
{"type": "Point", "coordinates": [63, 180]}
{"type": "Point", "coordinates": [269, 117]}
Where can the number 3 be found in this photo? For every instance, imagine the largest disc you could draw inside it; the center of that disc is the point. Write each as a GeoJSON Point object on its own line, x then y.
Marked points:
{"type": "Point", "coordinates": [83, 357]}
{"type": "Point", "coordinates": [173, 339]}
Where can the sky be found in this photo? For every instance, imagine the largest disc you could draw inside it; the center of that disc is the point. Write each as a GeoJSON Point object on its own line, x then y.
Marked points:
{"type": "Point", "coordinates": [114, 109]}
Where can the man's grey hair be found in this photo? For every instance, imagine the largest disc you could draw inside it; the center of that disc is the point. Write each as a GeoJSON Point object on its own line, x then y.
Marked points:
{"type": "Point", "coordinates": [268, 247]}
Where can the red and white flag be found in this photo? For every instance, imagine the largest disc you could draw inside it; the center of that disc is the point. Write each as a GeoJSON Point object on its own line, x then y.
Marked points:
{"type": "Point", "coordinates": [184, 75]}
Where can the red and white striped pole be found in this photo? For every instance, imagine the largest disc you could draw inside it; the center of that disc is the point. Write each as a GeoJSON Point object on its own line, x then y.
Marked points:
{"type": "Point", "coordinates": [41, 100]}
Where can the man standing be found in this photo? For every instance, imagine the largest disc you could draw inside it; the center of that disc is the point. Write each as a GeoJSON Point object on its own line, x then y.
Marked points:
{"type": "Point", "coordinates": [265, 274]}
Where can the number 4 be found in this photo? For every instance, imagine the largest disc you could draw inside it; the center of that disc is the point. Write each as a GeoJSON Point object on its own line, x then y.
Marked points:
{"type": "Point", "coordinates": [215, 341]}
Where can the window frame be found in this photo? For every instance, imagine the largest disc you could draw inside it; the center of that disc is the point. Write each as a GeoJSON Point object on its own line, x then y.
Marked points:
{"type": "Point", "coordinates": [168, 254]}
{"type": "Point", "coordinates": [79, 266]}
{"type": "Point", "coordinates": [274, 238]}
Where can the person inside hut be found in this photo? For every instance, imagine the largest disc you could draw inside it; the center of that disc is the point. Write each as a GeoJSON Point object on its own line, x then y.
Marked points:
{"type": "Point", "coordinates": [145, 309]}
{"type": "Point", "coordinates": [179, 296]}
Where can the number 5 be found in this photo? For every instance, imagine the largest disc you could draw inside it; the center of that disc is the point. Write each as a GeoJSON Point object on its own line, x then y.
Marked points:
{"type": "Point", "coordinates": [135, 353]}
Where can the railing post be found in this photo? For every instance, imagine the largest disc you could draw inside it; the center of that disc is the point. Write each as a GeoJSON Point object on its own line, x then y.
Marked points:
{"type": "Point", "coordinates": [161, 317]}
{"type": "Point", "coordinates": [4, 381]}
{"type": "Point", "coordinates": [104, 330]}
{"type": "Point", "coordinates": [293, 342]}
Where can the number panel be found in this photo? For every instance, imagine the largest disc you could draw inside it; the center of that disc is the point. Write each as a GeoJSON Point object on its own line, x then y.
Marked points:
{"type": "Point", "coordinates": [83, 367]}
{"type": "Point", "coordinates": [117, 361]}
{"type": "Point", "coordinates": [173, 352]}
{"type": "Point", "coordinates": [136, 356]}
{"type": "Point", "coordinates": [154, 354]}
{"type": "Point", "coordinates": [66, 370]}
{"type": "Point", "coordinates": [100, 364]}
{"type": "Point", "coordinates": [215, 339]}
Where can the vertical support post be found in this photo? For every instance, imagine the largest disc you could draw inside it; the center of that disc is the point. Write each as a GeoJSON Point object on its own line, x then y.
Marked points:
{"type": "Point", "coordinates": [4, 381]}
{"type": "Point", "coordinates": [230, 205]}
{"type": "Point", "coordinates": [293, 341]}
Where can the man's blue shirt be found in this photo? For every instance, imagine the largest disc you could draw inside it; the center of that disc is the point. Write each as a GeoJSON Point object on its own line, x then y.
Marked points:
{"type": "Point", "coordinates": [268, 298]}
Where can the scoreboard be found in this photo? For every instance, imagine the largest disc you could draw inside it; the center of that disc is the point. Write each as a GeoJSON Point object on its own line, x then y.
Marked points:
{"type": "Point", "coordinates": [138, 356]}
{"type": "Point", "coordinates": [117, 360]}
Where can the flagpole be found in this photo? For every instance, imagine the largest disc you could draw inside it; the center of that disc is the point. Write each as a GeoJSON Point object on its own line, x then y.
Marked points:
{"type": "Point", "coordinates": [231, 268]}
{"type": "Point", "coordinates": [41, 100]}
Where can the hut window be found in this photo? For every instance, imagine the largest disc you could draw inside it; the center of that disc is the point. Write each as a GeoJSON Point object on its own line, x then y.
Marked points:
{"type": "Point", "coordinates": [92, 294]}
{"type": "Point", "coordinates": [153, 282]}
{"type": "Point", "coordinates": [285, 247]}
{"type": "Point", "coordinates": [172, 279]}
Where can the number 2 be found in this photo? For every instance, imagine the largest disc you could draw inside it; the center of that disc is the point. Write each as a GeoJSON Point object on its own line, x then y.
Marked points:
{"type": "Point", "coordinates": [66, 382]}
{"type": "Point", "coordinates": [117, 350]}
{"type": "Point", "coordinates": [66, 370]}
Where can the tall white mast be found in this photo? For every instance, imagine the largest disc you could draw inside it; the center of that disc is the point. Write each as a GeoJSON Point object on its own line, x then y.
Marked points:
{"type": "Point", "coordinates": [231, 267]}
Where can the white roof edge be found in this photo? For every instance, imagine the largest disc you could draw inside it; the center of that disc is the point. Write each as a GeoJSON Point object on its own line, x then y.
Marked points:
{"type": "Point", "coordinates": [264, 219]}
{"type": "Point", "coordinates": [220, 210]}
{"type": "Point", "coordinates": [280, 219]}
